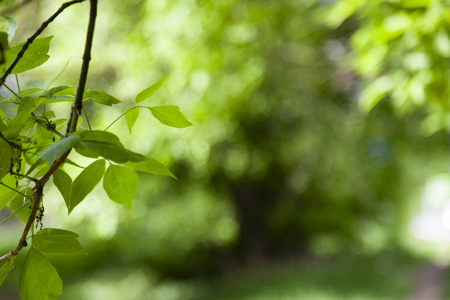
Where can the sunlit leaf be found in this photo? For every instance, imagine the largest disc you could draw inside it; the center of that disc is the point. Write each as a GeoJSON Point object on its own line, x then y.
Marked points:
{"type": "Point", "coordinates": [152, 166]}
{"type": "Point", "coordinates": [100, 97]}
{"type": "Point", "coordinates": [99, 136]}
{"type": "Point", "coordinates": [35, 55]}
{"type": "Point", "coordinates": [131, 117]}
{"type": "Point", "coordinates": [170, 115]}
{"type": "Point", "coordinates": [148, 92]}
{"type": "Point", "coordinates": [63, 183]}
{"type": "Point", "coordinates": [39, 279]}
{"type": "Point", "coordinates": [57, 241]}
{"type": "Point", "coordinates": [85, 182]}
{"type": "Point", "coordinates": [106, 144]}
{"type": "Point", "coordinates": [113, 152]}
{"type": "Point", "coordinates": [58, 148]}
{"type": "Point", "coordinates": [121, 184]}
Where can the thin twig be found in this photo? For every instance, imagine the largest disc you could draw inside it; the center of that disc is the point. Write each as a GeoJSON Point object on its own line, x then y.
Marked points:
{"type": "Point", "coordinates": [14, 213]}
{"type": "Point", "coordinates": [117, 119]}
{"type": "Point", "coordinates": [33, 37]}
{"type": "Point", "coordinates": [11, 90]}
{"type": "Point", "coordinates": [78, 103]}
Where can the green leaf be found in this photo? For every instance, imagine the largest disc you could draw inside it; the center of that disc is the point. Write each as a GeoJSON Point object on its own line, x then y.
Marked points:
{"type": "Point", "coordinates": [148, 92]}
{"type": "Point", "coordinates": [85, 182]}
{"type": "Point", "coordinates": [52, 153]}
{"type": "Point", "coordinates": [95, 136]}
{"type": "Point", "coordinates": [83, 150]}
{"type": "Point", "coordinates": [13, 25]}
{"type": "Point", "coordinates": [57, 241]}
{"type": "Point", "coordinates": [121, 184]}
{"type": "Point", "coordinates": [5, 269]}
{"type": "Point", "coordinates": [6, 194]}
{"type": "Point", "coordinates": [131, 117]}
{"type": "Point", "coordinates": [13, 131]}
{"type": "Point", "coordinates": [26, 106]}
{"type": "Point", "coordinates": [39, 279]}
{"type": "Point", "coordinates": [100, 97]}
{"type": "Point", "coordinates": [28, 92]}
{"type": "Point", "coordinates": [52, 92]}
{"type": "Point", "coordinates": [113, 152]}
{"type": "Point", "coordinates": [38, 83]}
{"type": "Point", "coordinates": [5, 158]}
{"type": "Point", "coordinates": [35, 55]}
{"type": "Point", "coordinates": [170, 115]}
{"type": "Point", "coordinates": [152, 166]}
{"type": "Point", "coordinates": [63, 183]}
{"type": "Point", "coordinates": [99, 136]}
{"type": "Point", "coordinates": [36, 164]}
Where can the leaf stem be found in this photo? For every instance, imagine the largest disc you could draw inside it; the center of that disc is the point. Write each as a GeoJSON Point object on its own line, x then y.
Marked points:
{"type": "Point", "coordinates": [17, 82]}
{"type": "Point", "coordinates": [15, 190]}
{"type": "Point", "coordinates": [117, 119]}
{"type": "Point", "coordinates": [14, 213]}
{"type": "Point", "coordinates": [87, 119]}
{"type": "Point", "coordinates": [11, 90]}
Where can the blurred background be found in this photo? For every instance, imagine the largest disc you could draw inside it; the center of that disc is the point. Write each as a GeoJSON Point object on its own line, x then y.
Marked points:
{"type": "Point", "coordinates": [317, 166]}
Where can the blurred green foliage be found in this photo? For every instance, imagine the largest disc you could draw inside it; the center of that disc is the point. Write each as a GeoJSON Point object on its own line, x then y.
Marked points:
{"type": "Point", "coordinates": [402, 50]}
{"type": "Point", "coordinates": [315, 125]}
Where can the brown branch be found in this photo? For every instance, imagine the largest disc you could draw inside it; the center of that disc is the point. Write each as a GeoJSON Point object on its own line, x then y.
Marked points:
{"type": "Point", "coordinates": [33, 37]}
{"type": "Point", "coordinates": [78, 103]}
{"type": "Point", "coordinates": [76, 111]}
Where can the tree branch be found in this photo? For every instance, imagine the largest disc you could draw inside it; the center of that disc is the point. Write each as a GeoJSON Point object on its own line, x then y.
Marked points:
{"type": "Point", "coordinates": [33, 37]}
{"type": "Point", "coordinates": [77, 105]}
